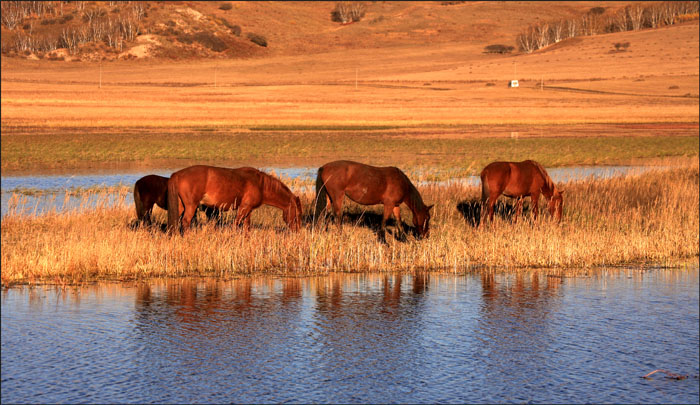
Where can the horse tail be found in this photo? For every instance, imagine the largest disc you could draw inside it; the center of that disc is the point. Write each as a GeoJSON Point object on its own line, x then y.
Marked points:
{"type": "Point", "coordinates": [138, 203]}
{"type": "Point", "coordinates": [320, 203]}
{"type": "Point", "coordinates": [484, 186]}
{"type": "Point", "coordinates": [173, 205]}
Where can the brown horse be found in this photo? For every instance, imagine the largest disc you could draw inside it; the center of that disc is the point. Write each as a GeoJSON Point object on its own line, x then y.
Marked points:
{"type": "Point", "coordinates": [243, 189]}
{"type": "Point", "coordinates": [519, 180]}
{"type": "Point", "coordinates": [370, 185]}
{"type": "Point", "coordinates": [153, 190]}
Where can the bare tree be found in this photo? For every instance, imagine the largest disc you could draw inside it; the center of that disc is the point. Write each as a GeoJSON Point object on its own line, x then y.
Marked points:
{"type": "Point", "coordinates": [128, 28]}
{"type": "Point", "coordinates": [589, 24]}
{"type": "Point", "coordinates": [96, 30]}
{"type": "Point", "coordinates": [357, 10]}
{"type": "Point", "coordinates": [526, 41]}
{"type": "Point", "coordinates": [542, 35]}
{"type": "Point", "coordinates": [23, 42]}
{"type": "Point", "coordinates": [621, 20]}
{"type": "Point", "coordinates": [83, 35]}
{"type": "Point", "coordinates": [69, 39]}
{"type": "Point", "coordinates": [635, 12]}
{"type": "Point", "coordinates": [571, 28]}
{"type": "Point", "coordinates": [12, 15]}
{"type": "Point", "coordinates": [346, 11]}
{"type": "Point", "coordinates": [46, 43]}
{"type": "Point", "coordinates": [112, 33]}
{"type": "Point", "coordinates": [652, 15]}
{"type": "Point", "coordinates": [90, 15]}
{"type": "Point", "coordinates": [138, 10]}
{"type": "Point", "coordinates": [687, 7]}
{"type": "Point", "coordinates": [556, 32]}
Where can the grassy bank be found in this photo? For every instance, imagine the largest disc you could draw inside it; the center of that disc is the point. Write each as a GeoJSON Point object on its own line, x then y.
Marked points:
{"type": "Point", "coordinates": [468, 147]}
{"type": "Point", "coordinates": [649, 218]}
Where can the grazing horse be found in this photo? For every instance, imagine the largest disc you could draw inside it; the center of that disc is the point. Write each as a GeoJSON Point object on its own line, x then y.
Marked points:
{"type": "Point", "coordinates": [519, 180]}
{"type": "Point", "coordinates": [370, 185]}
{"type": "Point", "coordinates": [153, 190]}
{"type": "Point", "coordinates": [243, 189]}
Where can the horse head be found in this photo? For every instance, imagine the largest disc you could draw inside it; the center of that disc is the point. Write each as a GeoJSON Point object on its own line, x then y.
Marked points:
{"type": "Point", "coordinates": [556, 204]}
{"type": "Point", "coordinates": [292, 215]}
{"type": "Point", "coordinates": [422, 222]}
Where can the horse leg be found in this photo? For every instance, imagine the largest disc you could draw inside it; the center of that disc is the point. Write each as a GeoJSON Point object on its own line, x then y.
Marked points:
{"type": "Point", "coordinates": [490, 203]}
{"type": "Point", "coordinates": [243, 215]}
{"type": "Point", "coordinates": [518, 209]}
{"type": "Point", "coordinates": [399, 225]}
{"type": "Point", "coordinates": [388, 209]}
{"type": "Point", "coordinates": [180, 215]}
{"type": "Point", "coordinates": [190, 212]}
{"type": "Point", "coordinates": [195, 220]}
{"type": "Point", "coordinates": [147, 216]}
{"type": "Point", "coordinates": [535, 201]}
{"type": "Point", "coordinates": [337, 203]}
{"type": "Point", "coordinates": [326, 210]}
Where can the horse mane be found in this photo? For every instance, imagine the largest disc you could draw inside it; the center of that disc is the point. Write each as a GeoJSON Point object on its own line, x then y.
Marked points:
{"type": "Point", "coordinates": [273, 185]}
{"type": "Point", "coordinates": [414, 195]}
{"type": "Point", "coordinates": [547, 180]}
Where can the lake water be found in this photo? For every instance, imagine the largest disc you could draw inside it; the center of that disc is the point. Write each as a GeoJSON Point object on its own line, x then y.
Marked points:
{"type": "Point", "coordinates": [57, 185]}
{"type": "Point", "coordinates": [534, 336]}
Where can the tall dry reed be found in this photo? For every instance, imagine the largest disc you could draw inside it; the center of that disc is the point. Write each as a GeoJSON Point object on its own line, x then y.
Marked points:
{"type": "Point", "coordinates": [646, 218]}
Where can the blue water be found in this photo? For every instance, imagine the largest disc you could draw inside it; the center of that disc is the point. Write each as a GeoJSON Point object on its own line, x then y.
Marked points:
{"type": "Point", "coordinates": [358, 338]}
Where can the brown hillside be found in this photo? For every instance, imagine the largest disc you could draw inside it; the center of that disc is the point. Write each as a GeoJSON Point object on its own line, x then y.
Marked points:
{"type": "Point", "coordinates": [421, 64]}
{"type": "Point", "coordinates": [186, 30]}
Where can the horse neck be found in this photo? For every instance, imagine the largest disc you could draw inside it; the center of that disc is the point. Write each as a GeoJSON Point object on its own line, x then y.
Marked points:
{"type": "Point", "coordinates": [275, 193]}
{"type": "Point", "coordinates": [414, 200]}
{"type": "Point", "coordinates": [548, 187]}
{"type": "Point", "coordinates": [548, 190]}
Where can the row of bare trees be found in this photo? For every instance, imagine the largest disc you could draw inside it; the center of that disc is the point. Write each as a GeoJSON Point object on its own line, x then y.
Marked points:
{"type": "Point", "coordinates": [631, 18]}
{"type": "Point", "coordinates": [99, 26]}
{"type": "Point", "coordinates": [348, 11]}
{"type": "Point", "coordinates": [14, 12]}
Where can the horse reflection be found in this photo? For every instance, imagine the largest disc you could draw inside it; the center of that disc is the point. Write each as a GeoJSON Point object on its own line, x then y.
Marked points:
{"type": "Point", "coordinates": [516, 311]}
{"type": "Point", "coordinates": [336, 294]}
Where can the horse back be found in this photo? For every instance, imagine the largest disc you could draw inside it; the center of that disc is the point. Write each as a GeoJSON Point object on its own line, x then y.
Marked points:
{"type": "Point", "coordinates": [230, 187]}
{"type": "Point", "coordinates": [531, 174]}
{"type": "Point", "coordinates": [363, 183]}
{"type": "Point", "coordinates": [153, 189]}
{"type": "Point", "coordinates": [496, 175]}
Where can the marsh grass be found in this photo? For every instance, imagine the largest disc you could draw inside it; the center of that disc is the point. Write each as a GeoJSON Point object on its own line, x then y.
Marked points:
{"type": "Point", "coordinates": [647, 218]}
{"type": "Point", "coordinates": [70, 191]}
{"type": "Point", "coordinates": [27, 149]}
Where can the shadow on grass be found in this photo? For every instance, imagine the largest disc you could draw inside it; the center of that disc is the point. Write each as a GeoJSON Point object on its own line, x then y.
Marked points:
{"type": "Point", "coordinates": [471, 211]}
{"type": "Point", "coordinates": [210, 214]}
{"type": "Point", "coordinates": [369, 220]}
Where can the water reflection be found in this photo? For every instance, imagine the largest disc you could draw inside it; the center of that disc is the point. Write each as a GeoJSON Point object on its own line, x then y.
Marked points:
{"type": "Point", "coordinates": [533, 336]}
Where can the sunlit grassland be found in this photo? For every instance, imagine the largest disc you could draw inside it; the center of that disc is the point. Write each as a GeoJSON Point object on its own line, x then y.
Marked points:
{"type": "Point", "coordinates": [647, 218]}
{"type": "Point", "coordinates": [465, 147]}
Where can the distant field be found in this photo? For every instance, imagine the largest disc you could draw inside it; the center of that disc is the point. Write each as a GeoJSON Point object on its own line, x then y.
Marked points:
{"type": "Point", "coordinates": [457, 150]}
{"type": "Point", "coordinates": [443, 105]}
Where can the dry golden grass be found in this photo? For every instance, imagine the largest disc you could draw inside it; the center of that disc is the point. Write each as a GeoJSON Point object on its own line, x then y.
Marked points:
{"type": "Point", "coordinates": [650, 218]}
